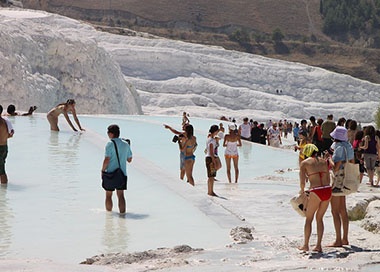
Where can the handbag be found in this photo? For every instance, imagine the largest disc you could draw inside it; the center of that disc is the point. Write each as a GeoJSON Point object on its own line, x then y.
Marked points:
{"type": "Point", "coordinates": [116, 179]}
{"type": "Point", "coordinates": [299, 203]}
{"type": "Point", "coordinates": [347, 180]}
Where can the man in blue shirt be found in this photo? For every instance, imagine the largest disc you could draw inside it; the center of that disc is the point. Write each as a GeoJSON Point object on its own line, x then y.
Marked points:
{"type": "Point", "coordinates": [111, 163]}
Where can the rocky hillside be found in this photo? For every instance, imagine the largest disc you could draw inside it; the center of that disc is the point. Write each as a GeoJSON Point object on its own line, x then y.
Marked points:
{"type": "Point", "coordinates": [245, 25]}
{"type": "Point", "coordinates": [42, 66]}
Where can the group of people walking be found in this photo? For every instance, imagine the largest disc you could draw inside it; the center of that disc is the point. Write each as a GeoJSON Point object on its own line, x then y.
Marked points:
{"type": "Point", "coordinates": [326, 147]}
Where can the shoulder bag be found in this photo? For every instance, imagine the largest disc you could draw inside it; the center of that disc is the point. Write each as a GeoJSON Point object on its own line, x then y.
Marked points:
{"type": "Point", "coordinates": [347, 180]}
{"type": "Point", "coordinates": [116, 179]}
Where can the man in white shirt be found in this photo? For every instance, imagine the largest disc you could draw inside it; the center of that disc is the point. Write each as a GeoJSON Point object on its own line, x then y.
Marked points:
{"type": "Point", "coordinates": [245, 130]}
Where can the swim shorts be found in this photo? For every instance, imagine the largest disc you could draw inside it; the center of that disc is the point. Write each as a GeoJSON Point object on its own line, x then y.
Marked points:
{"type": "Point", "coordinates": [211, 172]}
{"type": "Point", "coordinates": [3, 156]}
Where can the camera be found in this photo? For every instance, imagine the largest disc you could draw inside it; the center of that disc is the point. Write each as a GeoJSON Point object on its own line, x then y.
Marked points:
{"type": "Point", "coordinates": [176, 138]}
{"type": "Point", "coordinates": [127, 140]}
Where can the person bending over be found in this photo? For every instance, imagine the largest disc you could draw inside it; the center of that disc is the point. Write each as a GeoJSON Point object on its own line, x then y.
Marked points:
{"type": "Point", "coordinates": [64, 108]}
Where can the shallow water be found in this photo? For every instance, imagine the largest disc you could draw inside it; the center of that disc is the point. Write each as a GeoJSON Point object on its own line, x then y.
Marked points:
{"type": "Point", "coordinates": [53, 206]}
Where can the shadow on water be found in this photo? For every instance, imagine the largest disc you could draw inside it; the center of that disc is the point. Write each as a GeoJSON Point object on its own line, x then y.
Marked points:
{"type": "Point", "coordinates": [135, 216]}
{"type": "Point", "coordinates": [13, 187]}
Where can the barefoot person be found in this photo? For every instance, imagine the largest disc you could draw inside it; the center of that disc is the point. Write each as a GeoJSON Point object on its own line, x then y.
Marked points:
{"type": "Point", "coordinates": [343, 152]}
{"type": "Point", "coordinates": [231, 142]}
{"type": "Point", "coordinates": [111, 163]}
{"type": "Point", "coordinates": [188, 146]}
{"type": "Point", "coordinates": [211, 163]}
{"type": "Point", "coordinates": [315, 169]}
{"type": "Point", "coordinates": [179, 138]}
{"type": "Point", "coordinates": [370, 149]}
{"type": "Point", "coordinates": [64, 108]}
{"type": "Point", "coordinates": [6, 131]}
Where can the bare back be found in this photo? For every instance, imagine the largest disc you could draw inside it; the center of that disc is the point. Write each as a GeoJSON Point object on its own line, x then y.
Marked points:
{"type": "Point", "coordinates": [56, 111]}
{"type": "Point", "coordinates": [232, 138]}
{"type": "Point", "coordinates": [316, 170]}
{"type": "Point", "coordinates": [4, 135]}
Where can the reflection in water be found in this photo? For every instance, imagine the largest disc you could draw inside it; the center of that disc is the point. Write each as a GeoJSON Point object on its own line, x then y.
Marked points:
{"type": "Point", "coordinates": [32, 121]}
{"type": "Point", "coordinates": [63, 155]}
{"type": "Point", "coordinates": [115, 235]}
{"type": "Point", "coordinates": [246, 150]}
{"type": "Point", "coordinates": [5, 225]}
{"type": "Point", "coordinates": [64, 169]}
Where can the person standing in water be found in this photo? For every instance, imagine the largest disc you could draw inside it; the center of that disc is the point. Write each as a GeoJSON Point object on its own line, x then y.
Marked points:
{"type": "Point", "coordinates": [64, 108]}
{"type": "Point", "coordinates": [117, 154]}
{"type": "Point", "coordinates": [6, 132]}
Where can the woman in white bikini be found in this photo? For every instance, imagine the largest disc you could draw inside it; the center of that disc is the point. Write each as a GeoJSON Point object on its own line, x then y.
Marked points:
{"type": "Point", "coordinates": [64, 108]}
{"type": "Point", "coordinates": [231, 142]}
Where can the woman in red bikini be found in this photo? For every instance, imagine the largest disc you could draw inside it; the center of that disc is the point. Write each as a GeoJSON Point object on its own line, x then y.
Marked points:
{"type": "Point", "coordinates": [316, 170]}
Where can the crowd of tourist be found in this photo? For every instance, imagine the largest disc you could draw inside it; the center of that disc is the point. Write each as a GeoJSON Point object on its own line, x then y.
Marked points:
{"type": "Point", "coordinates": [313, 131]}
{"type": "Point", "coordinates": [324, 146]}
